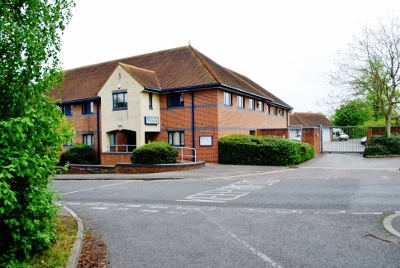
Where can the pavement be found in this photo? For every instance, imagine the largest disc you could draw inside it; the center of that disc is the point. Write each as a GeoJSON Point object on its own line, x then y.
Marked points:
{"type": "Point", "coordinates": [214, 171]}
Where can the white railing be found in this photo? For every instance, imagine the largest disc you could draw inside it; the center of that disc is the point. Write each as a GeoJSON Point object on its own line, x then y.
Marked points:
{"type": "Point", "coordinates": [121, 148]}
{"type": "Point", "coordinates": [184, 155]}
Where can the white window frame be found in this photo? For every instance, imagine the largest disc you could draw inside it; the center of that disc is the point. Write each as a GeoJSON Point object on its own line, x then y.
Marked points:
{"type": "Point", "coordinates": [176, 138]}
{"type": "Point", "coordinates": [227, 98]}
{"type": "Point", "coordinates": [88, 139]}
{"type": "Point", "coordinates": [240, 101]}
{"type": "Point", "coordinates": [251, 104]}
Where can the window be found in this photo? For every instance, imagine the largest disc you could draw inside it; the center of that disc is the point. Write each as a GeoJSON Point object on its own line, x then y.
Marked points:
{"type": "Point", "coordinates": [260, 106]}
{"type": "Point", "coordinates": [251, 104]}
{"type": "Point", "coordinates": [275, 111]}
{"type": "Point", "coordinates": [176, 138]}
{"type": "Point", "coordinates": [150, 101]}
{"type": "Point", "coordinates": [67, 109]}
{"type": "Point", "coordinates": [240, 100]}
{"type": "Point", "coordinates": [113, 138]}
{"type": "Point", "coordinates": [87, 108]}
{"type": "Point", "coordinates": [120, 102]}
{"type": "Point", "coordinates": [228, 98]}
{"type": "Point", "coordinates": [88, 139]}
{"type": "Point", "coordinates": [282, 112]}
{"type": "Point", "coordinates": [69, 143]}
{"type": "Point", "coordinates": [175, 99]}
{"type": "Point", "coordinates": [252, 132]}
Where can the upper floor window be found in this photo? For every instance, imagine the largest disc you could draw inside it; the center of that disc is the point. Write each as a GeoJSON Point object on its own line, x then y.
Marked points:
{"type": "Point", "coordinates": [260, 106]}
{"type": "Point", "coordinates": [150, 101]}
{"type": "Point", "coordinates": [275, 111]}
{"type": "Point", "coordinates": [240, 100]}
{"type": "Point", "coordinates": [228, 98]}
{"type": "Point", "coordinates": [175, 99]}
{"type": "Point", "coordinates": [282, 112]}
{"type": "Point", "coordinates": [120, 100]}
{"type": "Point", "coordinates": [67, 109]}
{"type": "Point", "coordinates": [88, 139]}
{"type": "Point", "coordinates": [87, 108]}
{"type": "Point", "coordinates": [251, 104]}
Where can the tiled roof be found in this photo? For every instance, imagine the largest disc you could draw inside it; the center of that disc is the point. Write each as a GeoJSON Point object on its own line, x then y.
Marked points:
{"type": "Point", "coordinates": [167, 69]}
{"type": "Point", "coordinates": [144, 77]}
{"type": "Point", "coordinates": [309, 120]}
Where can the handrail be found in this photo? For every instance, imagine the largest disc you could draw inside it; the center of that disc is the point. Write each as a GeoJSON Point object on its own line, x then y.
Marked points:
{"type": "Point", "coordinates": [121, 148]}
{"type": "Point", "coordinates": [192, 155]}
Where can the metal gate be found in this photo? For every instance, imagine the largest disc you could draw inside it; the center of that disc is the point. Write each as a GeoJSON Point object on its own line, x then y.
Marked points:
{"type": "Point", "coordinates": [342, 139]}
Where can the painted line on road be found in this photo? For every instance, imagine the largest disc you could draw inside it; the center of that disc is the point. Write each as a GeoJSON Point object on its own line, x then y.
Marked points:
{"type": "Point", "coordinates": [229, 192]}
{"type": "Point", "coordinates": [93, 188]}
{"type": "Point", "coordinates": [246, 245]}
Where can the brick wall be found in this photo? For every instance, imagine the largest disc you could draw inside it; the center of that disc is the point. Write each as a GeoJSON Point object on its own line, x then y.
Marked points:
{"type": "Point", "coordinates": [212, 118]}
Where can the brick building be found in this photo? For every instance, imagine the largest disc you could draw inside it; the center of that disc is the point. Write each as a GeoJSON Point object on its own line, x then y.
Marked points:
{"type": "Point", "coordinates": [179, 96]}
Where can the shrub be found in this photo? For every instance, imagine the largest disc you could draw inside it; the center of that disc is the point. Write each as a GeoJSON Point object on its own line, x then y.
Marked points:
{"type": "Point", "coordinates": [79, 154]}
{"type": "Point", "coordinates": [268, 150]}
{"type": "Point", "coordinates": [383, 145]}
{"type": "Point", "coordinates": [154, 153]}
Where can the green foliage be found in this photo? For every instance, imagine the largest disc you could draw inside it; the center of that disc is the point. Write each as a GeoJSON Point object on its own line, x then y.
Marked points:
{"type": "Point", "coordinates": [352, 113]}
{"type": "Point", "coordinates": [154, 153]}
{"type": "Point", "coordinates": [79, 154]}
{"type": "Point", "coordinates": [31, 125]}
{"type": "Point", "coordinates": [268, 150]}
{"type": "Point", "coordinates": [383, 145]}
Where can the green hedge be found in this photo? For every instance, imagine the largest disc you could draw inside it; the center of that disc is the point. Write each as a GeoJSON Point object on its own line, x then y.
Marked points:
{"type": "Point", "coordinates": [79, 154]}
{"type": "Point", "coordinates": [267, 150]}
{"type": "Point", "coordinates": [382, 145]}
{"type": "Point", "coordinates": [154, 153]}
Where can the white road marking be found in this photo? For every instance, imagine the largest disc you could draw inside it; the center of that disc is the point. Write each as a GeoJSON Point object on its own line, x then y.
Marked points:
{"type": "Point", "coordinates": [229, 192]}
{"type": "Point", "coordinates": [100, 208]}
{"type": "Point", "coordinates": [89, 189]}
{"type": "Point", "coordinates": [150, 210]}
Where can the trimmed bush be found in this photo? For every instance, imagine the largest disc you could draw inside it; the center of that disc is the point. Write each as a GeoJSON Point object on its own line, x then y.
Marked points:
{"type": "Point", "coordinates": [154, 153]}
{"type": "Point", "coordinates": [79, 154]}
{"type": "Point", "coordinates": [383, 145]}
{"type": "Point", "coordinates": [267, 150]}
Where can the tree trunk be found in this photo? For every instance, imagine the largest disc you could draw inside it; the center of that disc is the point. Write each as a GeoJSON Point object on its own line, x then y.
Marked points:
{"type": "Point", "coordinates": [388, 119]}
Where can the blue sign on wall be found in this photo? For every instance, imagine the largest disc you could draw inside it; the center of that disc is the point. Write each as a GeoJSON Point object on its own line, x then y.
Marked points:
{"type": "Point", "coordinates": [151, 120]}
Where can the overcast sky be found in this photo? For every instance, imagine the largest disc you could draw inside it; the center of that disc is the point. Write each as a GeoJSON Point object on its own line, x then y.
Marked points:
{"type": "Point", "coordinates": [287, 47]}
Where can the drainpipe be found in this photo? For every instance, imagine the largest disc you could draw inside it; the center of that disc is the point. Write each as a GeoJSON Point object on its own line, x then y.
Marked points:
{"type": "Point", "coordinates": [193, 128]}
{"type": "Point", "coordinates": [98, 132]}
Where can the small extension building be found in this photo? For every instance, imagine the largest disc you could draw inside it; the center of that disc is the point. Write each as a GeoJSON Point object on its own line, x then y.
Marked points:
{"type": "Point", "coordinates": [178, 96]}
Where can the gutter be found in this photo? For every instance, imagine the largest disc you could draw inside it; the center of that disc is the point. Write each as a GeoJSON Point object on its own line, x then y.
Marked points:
{"type": "Point", "coordinates": [93, 99]}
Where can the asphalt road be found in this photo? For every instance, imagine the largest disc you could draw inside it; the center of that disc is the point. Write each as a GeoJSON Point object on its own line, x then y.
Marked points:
{"type": "Point", "coordinates": [327, 212]}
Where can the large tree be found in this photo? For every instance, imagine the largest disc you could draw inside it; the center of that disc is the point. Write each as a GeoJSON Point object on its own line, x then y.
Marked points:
{"type": "Point", "coordinates": [352, 113]}
{"type": "Point", "coordinates": [370, 68]}
{"type": "Point", "coordinates": [31, 125]}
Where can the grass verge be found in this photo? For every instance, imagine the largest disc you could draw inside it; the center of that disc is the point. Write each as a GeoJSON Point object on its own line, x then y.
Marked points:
{"type": "Point", "coordinates": [57, 255]}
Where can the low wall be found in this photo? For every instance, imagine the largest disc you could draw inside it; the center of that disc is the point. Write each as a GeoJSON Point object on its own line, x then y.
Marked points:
{"type": "Point", "coordinates": [128, 168]}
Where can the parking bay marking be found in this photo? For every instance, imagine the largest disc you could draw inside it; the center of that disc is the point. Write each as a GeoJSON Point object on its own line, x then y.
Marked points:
{"type": "Point", "coordinates": [229, 192]}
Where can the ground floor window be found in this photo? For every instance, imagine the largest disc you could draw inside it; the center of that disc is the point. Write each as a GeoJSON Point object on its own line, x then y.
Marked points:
{"type": "Point", "coordinates": [176, 138]}
{"type": "Point", "coordinates": [88, 139]}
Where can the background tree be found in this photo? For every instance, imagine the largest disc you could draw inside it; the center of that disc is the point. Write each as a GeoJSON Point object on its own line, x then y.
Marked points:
{"type": "Point", "coordinates": [353, 113]}
{"type": "Point", "coordinates": [31, 125]}
{"type": "Point", "coordinates": [370, 67]}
